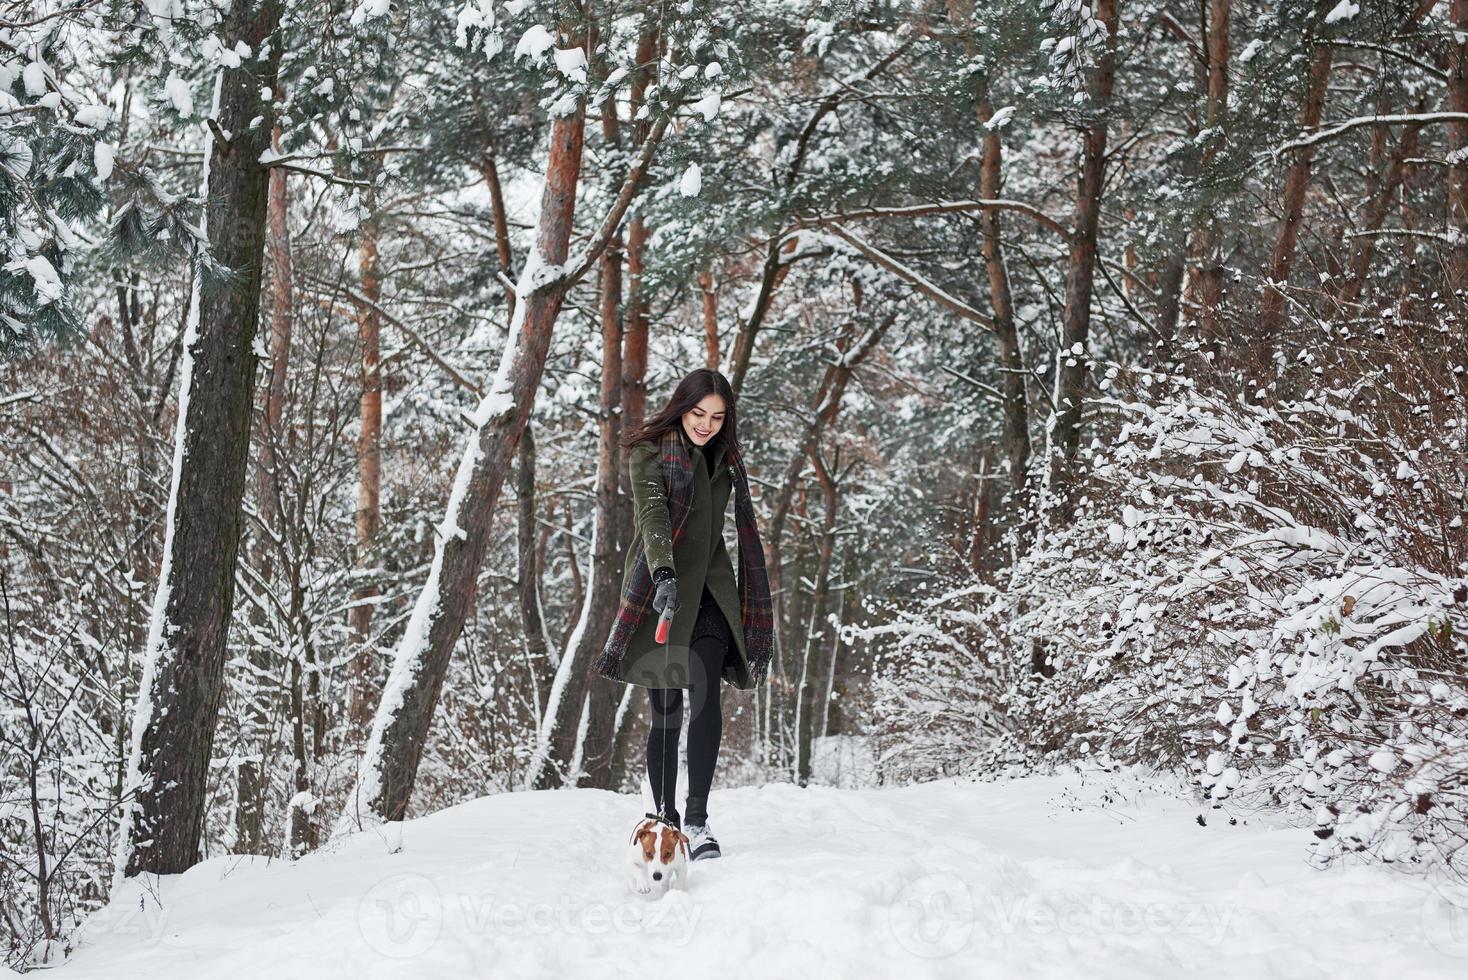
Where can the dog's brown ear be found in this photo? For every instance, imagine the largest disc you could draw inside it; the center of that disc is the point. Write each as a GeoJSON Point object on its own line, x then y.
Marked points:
{"type": "Point", "coordinates": [648, 839]}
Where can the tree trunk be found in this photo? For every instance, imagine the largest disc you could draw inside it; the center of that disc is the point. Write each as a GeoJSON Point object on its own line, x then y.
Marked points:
{"type": "Point", "coordinates": [1297, 181]}
{"type": "Point", "coordinates": [1457, 189]}
{"type": "Point", "coordinates": [1170, 291]}
{"type": "Point", "coordinates": [1382, 187]}
{"type": "Point", "coordinates": [1011, 359]}
{"type": "Point", "coordinates": [1210, 272]}
{"type": "Point", "coordinates": [1013, 385]}
{"type": "Point", "coordinates": [828, 704]}
{"type": "Point", "coordinates": [634, 340]}
{"type": "Point", "coordinates": [1080, 280]}
{"type": "Point", "coordinates": [634, 314]}
{"type": "Point", "coordinates": [624, 760]}
{"type": "Point", "coordinates": [528, 566]}
{"type": "Point", "coordinates": [501, 222]}
{"type": "Point", "coordinates": [979, 534]}
{"type": "Point", "coordinates": [604, 589]}
{"type": "Point", "coordinates": [771, 275]}
{"type": "Point", "coordinates": [825, 408]}
{"type": "Point", "coordinates": [282, 308]}
{"type": "Point", "coordinates": [421, 661]}
{"type": "Point", "coordinates": [302, 832]}
{"type": "Point", "coordinates": [250, 791]}
{"type": "Point", "coordinates": [710, 318]}
{"type": "Point", "coordinates": [390, 766]}
{"type": "Point", "coordinates": [816, 632]}
{"type": "Point", "coordinates": [178, 702]}
{"type": "Point", "coordinates": [361, 696]}
{"type": "Point", "coordinates": [634, 368]}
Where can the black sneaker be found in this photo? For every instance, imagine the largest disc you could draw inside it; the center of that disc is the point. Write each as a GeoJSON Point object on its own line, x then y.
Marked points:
{"type": "Point", "coordinates": [701, 843]}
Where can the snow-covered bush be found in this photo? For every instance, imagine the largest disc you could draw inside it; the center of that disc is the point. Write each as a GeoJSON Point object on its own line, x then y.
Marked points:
{"type": "Point", "coordinates": [57, 779]}
{"type": "Point", "coordinates": [1272, 594]}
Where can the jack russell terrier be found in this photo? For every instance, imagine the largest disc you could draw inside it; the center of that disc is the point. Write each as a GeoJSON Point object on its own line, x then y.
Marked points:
{"type": "Point", "coordinates": [659, 855]}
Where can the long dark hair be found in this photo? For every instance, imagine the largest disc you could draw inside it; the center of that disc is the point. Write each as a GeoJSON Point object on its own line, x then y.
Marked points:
{"type": "Point", "coordinates": [694, 388]}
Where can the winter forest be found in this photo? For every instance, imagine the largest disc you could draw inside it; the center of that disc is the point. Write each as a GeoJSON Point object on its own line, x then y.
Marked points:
{"type": "Point", "coordinates": [1102, 372]}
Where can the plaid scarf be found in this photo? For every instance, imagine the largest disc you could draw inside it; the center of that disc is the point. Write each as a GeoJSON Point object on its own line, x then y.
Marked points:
{"type": "Point", "coordinates": [757, 618]}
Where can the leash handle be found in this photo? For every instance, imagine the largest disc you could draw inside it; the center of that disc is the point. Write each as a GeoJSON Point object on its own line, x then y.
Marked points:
{"type": "Point", "coordinates": [664, 621]}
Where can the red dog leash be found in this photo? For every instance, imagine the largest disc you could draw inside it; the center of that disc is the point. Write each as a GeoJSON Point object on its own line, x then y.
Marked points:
{"type": "Point", "coordinates": [665, 620]}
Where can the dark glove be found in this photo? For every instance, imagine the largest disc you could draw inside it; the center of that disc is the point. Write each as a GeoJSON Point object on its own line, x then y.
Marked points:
{"type": "Point", "coordinates": [665, 599]}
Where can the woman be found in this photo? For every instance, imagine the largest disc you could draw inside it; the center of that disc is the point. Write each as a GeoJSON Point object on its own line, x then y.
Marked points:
{"type": "Point", "coordinates": [684, 463]}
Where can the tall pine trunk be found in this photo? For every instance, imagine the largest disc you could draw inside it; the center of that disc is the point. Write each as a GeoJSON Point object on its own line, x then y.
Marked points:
{"type": "Point", "coordinates": [1297, 182]}
{"type": "Point", "coordinates": [527, 585]}
{"type": "Point", "coordinates": [599, 695]}
{"type": "Point", "coordinates": [1006, 336]}
{"type": "Point", "coordinates": [1210, 271]}
{"type": "Point", "coordinates": [178, 700]}
{"type": "Point", "coordinates": [420, 663]}
{"type": "Point", "coordinates": [250, 791]}
{"type": "Point", "coordinates": [1080, 279]}
{"type": "Point", "coordinates": [369, 487]}
{"type": "Point", "coordinates": [405, 713]}
{"type": "Point", "coordinates": [710, 299]}
{"type": "Point", "coordinates": [1457, 188]}
{"type": "Point", "coordinates": [815, 637]}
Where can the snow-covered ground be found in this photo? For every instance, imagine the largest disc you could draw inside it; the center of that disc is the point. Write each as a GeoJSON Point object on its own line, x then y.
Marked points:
{"type": "Point", "coordinates": [1060, 876]}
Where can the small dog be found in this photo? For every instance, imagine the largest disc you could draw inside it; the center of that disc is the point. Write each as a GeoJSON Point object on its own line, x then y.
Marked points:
{"type": "Point", "coordinates": [659, 855]}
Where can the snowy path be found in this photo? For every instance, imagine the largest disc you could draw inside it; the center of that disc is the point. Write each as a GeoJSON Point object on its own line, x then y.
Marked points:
{"type": "Point", "coordinates": [1031, 878]}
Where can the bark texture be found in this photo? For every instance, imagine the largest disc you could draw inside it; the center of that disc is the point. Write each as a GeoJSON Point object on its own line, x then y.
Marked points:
{"type": "Point", "coordinates": [178, 712]}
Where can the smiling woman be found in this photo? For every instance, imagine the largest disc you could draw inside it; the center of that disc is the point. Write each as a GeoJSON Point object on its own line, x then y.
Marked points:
{"type": "Point", "coordinates": [684, 463]}
{"type": "Point", "coordinates": [706, 419]}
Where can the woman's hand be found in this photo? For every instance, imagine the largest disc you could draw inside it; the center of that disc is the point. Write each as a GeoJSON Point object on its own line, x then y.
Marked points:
{"type": "Point", "coordinates": [665, 599]}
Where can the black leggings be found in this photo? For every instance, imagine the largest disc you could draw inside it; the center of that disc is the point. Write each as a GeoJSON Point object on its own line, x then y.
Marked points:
{"type": "Point", "coordinates": [705, 724]}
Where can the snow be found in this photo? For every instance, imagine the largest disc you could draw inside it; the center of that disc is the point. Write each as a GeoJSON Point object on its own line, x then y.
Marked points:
{"type": "Point", "coordinates": [93, 116]}
{"type": "Point", "coordinates": [103, 155]}
{"type": "Point", "coordinates": [478, 15]}
{"type": "Point", "coordinates": [708, 106]}
{"type": "Point", "coordinates": [1095, 875]}
{"type": "Point", "coordinates": [43, 275]}
{"type": "Point", "coordinates": [534, 43]}
{"type": "Point", "coordinates": [571, 62]}
{"type": "Point", "coordinates": [1344, 10]}
{"type": "Point", "coordinates": [692, 181]}
{"type": "Point", "coordinates": [367, 9]}
{"type": "Point", "coordinates": [176, 91]}
{"type": "Point", "coordinates": [34, 76]}
{"type": "Point", "coordinates": [998, 120]}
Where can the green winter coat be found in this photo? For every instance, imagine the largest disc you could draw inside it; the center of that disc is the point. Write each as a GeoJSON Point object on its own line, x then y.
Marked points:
{"type": "Point", "coordinates": [700, 559]}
